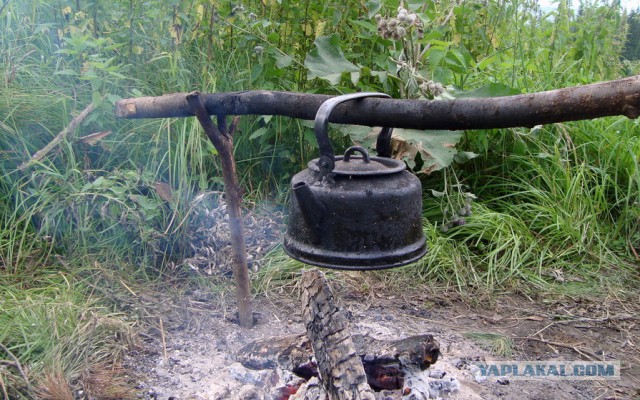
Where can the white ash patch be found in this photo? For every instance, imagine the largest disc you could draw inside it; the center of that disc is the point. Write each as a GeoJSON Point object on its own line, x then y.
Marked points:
{"type": "Point", "coordinates": [210, 240]}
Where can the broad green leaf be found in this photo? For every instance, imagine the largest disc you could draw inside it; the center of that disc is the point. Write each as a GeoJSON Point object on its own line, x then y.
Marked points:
{"type": "Point", "coordinates": [327, 60]}
{"type": "Point", "coordinates": [441, 44]}
{"type": "Point", "coordinates": [112, 98]}
{"type": "Point", "coordinates": [373, 7]}
{"type": "Point", "coordinates": [96, 98]}
{"type": "Point", "coordinates": [490, 90]}
{"type": "Point", "coordinates": [464, 156]}
{"type": "Point", "coordinates": [436, 55]}
{"type": "Point", "coordinates": [435, 148]}
{"type": "Point", "coordinates": [310, 137]}
{"type": "Point", "coordinates": [256, 72]}
{"type": "Point", "coordinates": [118, 190]}
{"type": "Point", "coordinates": [355, 77]}
{"type": "Point", "coordinates": [456, 61]}
{"type": "Point", "coordinates": [486, 62]}
{"type": "Point", "coordinates": [100, 181]}
{"type": "Point", "coordinates": [283, 60]}
{"type": "Point", "coordinates": [146, 203]}
{"type": "Point", "coordinates": [362, 135]}
{"type": "Point", "coordinates": [382, 75]}
{"type": "Point", "coordinates": [259, 132]}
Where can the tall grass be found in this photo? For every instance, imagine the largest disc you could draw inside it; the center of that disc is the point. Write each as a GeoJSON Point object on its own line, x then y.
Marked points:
{"type": "Point", "coordinates": [56, 329]}
{"type": "Point", "coordinates": [567, 198]}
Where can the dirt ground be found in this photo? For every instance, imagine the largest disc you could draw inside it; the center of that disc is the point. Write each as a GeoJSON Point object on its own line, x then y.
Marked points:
{"type": "Point", "coordinates": [190, 340]}
{"type": "Point", "coordinates": [190, 351]}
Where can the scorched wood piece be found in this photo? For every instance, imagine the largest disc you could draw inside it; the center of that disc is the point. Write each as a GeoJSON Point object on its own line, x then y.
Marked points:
{"type": "Point", "coordinates": [339, 367]}
{"type": "Point", "coordinates": [288, 353]}
{"type": "Point", "coordinates": [385, 362]}
{"type": "Point", "coordinates": [618, 97]}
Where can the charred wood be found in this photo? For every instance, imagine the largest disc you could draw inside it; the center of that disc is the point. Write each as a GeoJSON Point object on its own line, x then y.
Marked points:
{"type": "Point", "coordinates": [385, 362]}
{"type": "Point", "coordinates": [339, 367]}
{"type": "Point", "coordinates": [617, 97]}
{"type": "Point", "coordinates": [222, 140]}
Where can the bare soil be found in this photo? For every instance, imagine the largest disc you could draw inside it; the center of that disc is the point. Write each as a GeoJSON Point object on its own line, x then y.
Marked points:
{"type": "Point", "coordinates": [190, 349]}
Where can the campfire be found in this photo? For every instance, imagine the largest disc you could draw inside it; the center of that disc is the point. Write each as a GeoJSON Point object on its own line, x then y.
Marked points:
{"type": "Point", "coordinates": [349, 367]}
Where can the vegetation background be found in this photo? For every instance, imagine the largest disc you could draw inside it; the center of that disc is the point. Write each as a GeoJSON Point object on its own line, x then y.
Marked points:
{"type": "Point", "coordinates": [553, 209]}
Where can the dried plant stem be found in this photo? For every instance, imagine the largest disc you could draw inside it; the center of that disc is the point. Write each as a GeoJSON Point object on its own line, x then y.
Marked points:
{"type": "Point", "coordinates": [59, 137]}
{"type": "Point", "coordinates": [582, 352]}
{"type": "Point", "coordinates": [164, 342]}
{"type": "Point", "coordinates": [4, 388]}
{"type": "Point", "coordinates": [14, 363]}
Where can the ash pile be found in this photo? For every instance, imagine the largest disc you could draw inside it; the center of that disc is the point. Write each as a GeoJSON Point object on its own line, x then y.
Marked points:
{"type": "Point", "coordinates": [209, 234]}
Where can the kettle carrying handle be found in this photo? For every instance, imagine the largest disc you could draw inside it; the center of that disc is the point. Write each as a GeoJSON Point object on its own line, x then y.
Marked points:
{"type": "Point", "coordinates": [326, 162]}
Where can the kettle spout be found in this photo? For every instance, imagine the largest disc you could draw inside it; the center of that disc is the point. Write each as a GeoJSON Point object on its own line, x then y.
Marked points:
{"type": "Point", "coordinates": [313, 211]}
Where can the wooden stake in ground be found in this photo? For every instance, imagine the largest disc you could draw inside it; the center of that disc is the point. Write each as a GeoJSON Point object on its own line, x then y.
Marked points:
{"type": "Point", "coordinates": [222, 140]}
{"type": "Point", "coordinates": [339, 366]}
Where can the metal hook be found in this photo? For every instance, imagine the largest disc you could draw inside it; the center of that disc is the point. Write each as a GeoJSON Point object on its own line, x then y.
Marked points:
{"type": "Point", "coordinates": [326, 162]}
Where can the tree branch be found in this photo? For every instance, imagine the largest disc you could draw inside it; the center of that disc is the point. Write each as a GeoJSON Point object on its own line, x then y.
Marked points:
{"type": "Point", "coordinates": [59, 137]}
{"type": "Point", "coordinates": [224, 145]}
{"type": "Point", "coordinates": [618, 97]}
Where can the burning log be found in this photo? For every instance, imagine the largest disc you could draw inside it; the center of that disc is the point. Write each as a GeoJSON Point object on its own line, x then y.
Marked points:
{"type": "Point", "coordinates": [388, 362]}
{"type": "Point", "coordinates": [617, 97]}
{"type": "Point", "coordinates": [339, 367]}
{"type": "Point", "coordinates": [343, 361]}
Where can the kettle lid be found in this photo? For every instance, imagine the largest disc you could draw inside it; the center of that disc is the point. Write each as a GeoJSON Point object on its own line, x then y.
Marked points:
{"type": "Point", "coordinates": [363, 165]}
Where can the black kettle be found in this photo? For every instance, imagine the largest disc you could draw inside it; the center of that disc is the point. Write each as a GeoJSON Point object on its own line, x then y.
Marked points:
{"type": "Point", "coordinates": [355, 212]}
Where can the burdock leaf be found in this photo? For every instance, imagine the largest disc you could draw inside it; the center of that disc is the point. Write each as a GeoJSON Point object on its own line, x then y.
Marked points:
{"type": "Point", "coordinates": [283, 60]}
{"type": "Point", "coordinates": [432, 150]}
{"type": "Point", "coordinates": [436, 149]}
{"type": "Point", "coordinates": [361, 135]}
{"type": "Point", "coordinates": [464, 156]}
{"type": "Point", "coordinates": [373, 7]}
{"type": "Point", "coordinates": [327, 61]}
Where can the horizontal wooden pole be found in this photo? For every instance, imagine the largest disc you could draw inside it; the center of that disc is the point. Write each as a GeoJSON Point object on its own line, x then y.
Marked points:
{"type": "Point", "coordinates": [610, 98]}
